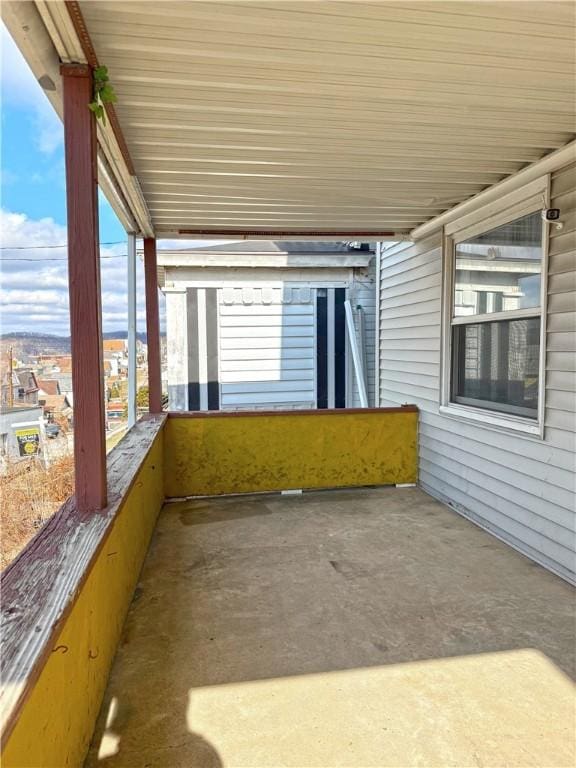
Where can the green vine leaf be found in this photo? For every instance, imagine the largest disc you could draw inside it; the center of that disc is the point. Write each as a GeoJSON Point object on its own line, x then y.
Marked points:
{"type": "Point", "coordinates": [103, 93]}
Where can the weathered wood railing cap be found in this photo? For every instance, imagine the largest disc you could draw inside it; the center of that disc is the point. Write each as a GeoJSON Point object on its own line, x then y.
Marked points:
{"type": "Point", "coordinates": [310, 412]}
{"type": "Point", "coordinates": [41, 585]}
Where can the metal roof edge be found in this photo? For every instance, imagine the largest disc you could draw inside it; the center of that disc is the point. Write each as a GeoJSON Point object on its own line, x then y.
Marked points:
{"type": "Point", "coordinates": [547, 164]}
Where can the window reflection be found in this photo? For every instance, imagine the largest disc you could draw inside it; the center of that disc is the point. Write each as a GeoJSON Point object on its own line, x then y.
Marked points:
{"type": "Point", "coordinates": [499, 271]}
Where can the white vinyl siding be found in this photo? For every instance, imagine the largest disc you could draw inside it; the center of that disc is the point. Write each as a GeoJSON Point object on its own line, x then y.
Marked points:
{"type": "Point", "coordinates": [560, 414]}
{"type": "Point", "coordinates": [517, 486]}
{"type": "Point", "coordinates": [267, 348]}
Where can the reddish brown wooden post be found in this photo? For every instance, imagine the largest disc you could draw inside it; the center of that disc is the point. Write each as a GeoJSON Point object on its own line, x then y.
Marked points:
{"type": "Point", "coordinates": [84, 287]}
{"type": "Point", "coordinates": [152, 327]}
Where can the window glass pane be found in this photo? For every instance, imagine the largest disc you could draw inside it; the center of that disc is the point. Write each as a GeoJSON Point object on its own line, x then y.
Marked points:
{"type": "Point", "coordinates": [499, 270]}
{"type": "Point", "coordinates": [496, 364]}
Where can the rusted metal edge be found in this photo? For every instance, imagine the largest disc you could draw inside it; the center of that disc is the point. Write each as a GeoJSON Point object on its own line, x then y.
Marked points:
{"type": "Point", "coordinates": [302, 412]}
{"type": "Point", "coordinates": [36, 579]}
{"type": "Point", "coordinates": [75, 70]}
{"type": "Point", "coordinates": [81, 30]}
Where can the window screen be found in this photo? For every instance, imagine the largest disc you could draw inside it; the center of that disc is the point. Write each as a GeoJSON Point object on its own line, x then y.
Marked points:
{"type": "Point", "coordinates": [497, 364]}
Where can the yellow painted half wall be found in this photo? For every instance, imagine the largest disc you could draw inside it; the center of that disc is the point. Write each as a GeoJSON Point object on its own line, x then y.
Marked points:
{"type": "Point", "coordinates": [210, 454]}
{"type": "Point", "coordinates": [56, 720]}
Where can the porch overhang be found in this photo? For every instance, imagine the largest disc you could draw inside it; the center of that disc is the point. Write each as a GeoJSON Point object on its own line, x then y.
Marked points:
{"type": "Point", "coordinates": [309, 120]}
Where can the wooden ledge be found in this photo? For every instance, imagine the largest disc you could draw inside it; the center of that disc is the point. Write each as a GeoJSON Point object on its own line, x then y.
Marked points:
{"type": "Point", "coordinates": [295, 412]}
{"type": "Point", "coordinates": [40, 587]}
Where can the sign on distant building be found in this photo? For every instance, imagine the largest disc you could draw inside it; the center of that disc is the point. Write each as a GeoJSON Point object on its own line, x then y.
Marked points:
{"type": "Point", "coordinates": [28, 440]}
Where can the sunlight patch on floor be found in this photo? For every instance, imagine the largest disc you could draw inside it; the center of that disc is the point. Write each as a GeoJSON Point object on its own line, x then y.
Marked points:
{"type": "Point", "coordinates": [512, 708]}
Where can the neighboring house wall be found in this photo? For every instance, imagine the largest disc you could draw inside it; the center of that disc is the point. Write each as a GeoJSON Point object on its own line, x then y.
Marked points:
{"type": "Point", "coordinates": [267, 351]}
{"type": "Point", "coordinates": [517, 486]}
{"type": "Point", "coordinates": [252, 334]}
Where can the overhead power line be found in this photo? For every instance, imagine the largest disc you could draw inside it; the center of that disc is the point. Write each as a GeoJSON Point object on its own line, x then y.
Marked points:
{"type": "Point", "coordinates": [44, 247]}
{"type": "Point", "coordinates": [43, 261]}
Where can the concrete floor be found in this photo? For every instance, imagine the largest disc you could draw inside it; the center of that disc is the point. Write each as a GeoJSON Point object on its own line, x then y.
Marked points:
{"type": "Point", "coordinates": [343, 628]}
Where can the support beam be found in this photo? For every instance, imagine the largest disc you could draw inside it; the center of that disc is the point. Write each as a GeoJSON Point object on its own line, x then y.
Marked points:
{"type": "Point", "coordinates": [152, 326]}
{"type": "Point", "coordinates": [132, 380]}
{"type": "Point", "coordinates": [84, 286]}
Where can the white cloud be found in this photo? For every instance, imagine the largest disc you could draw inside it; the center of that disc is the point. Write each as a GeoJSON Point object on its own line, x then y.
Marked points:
{"type": "Point", "coordinates": [21, 89]}
{"type": "Point", "coordinates": [20, 231]}
{"type": "Point", "coordinates": [34, 285]}
{"type": "Point", "coordinates": [34, 277]}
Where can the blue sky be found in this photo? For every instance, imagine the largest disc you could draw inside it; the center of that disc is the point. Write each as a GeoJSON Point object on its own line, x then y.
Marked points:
{"type": "Point", "coordinates": [34, 286]}
{"type": "Point", "coordinates": [32, 148]}
{"type": "Point", "coordinates": [34, 291]}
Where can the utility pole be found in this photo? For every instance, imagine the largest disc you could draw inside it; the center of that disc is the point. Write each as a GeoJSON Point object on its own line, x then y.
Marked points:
{"type": "Point", "coordinates": [10, 388]}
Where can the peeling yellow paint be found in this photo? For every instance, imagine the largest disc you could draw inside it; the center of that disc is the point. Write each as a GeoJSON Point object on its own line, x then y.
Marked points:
{"type": "Point", "coordinates": [241, 454]}
{"type": "Point", "coordinates": [56, 722]}
{"type": "Point", "coordinates": [211, 455]}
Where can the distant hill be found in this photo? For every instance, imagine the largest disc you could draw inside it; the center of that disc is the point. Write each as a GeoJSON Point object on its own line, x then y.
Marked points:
{"type": "Point", "coordinates": [26, 344]}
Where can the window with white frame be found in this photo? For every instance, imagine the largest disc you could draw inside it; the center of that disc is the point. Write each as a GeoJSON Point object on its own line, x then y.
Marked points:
{"type": "Point", "coordinates": [495, 307]}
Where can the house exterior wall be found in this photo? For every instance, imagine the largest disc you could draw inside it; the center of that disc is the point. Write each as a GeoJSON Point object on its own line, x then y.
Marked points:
{"type": "Point", "coordinates": [518, 486]}
{"type": "Point", "coordinates": [177, 349]}
{"type": "Point", "coordinates": [266, 333]}
{"type": "Point", "coordinates": [267, 348]}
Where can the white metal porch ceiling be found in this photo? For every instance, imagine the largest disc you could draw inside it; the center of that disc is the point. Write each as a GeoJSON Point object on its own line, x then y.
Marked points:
{"type": "Point", "coordinates": [331, 116]}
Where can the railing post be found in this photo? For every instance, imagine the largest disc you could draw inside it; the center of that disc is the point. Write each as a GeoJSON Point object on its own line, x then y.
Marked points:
{"type": "Point", "coordinates": [132, 372]}
{"type": "Point", "coordinates": [152, 327]}
{"type": "Point", "coordinates": [84, 287]}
